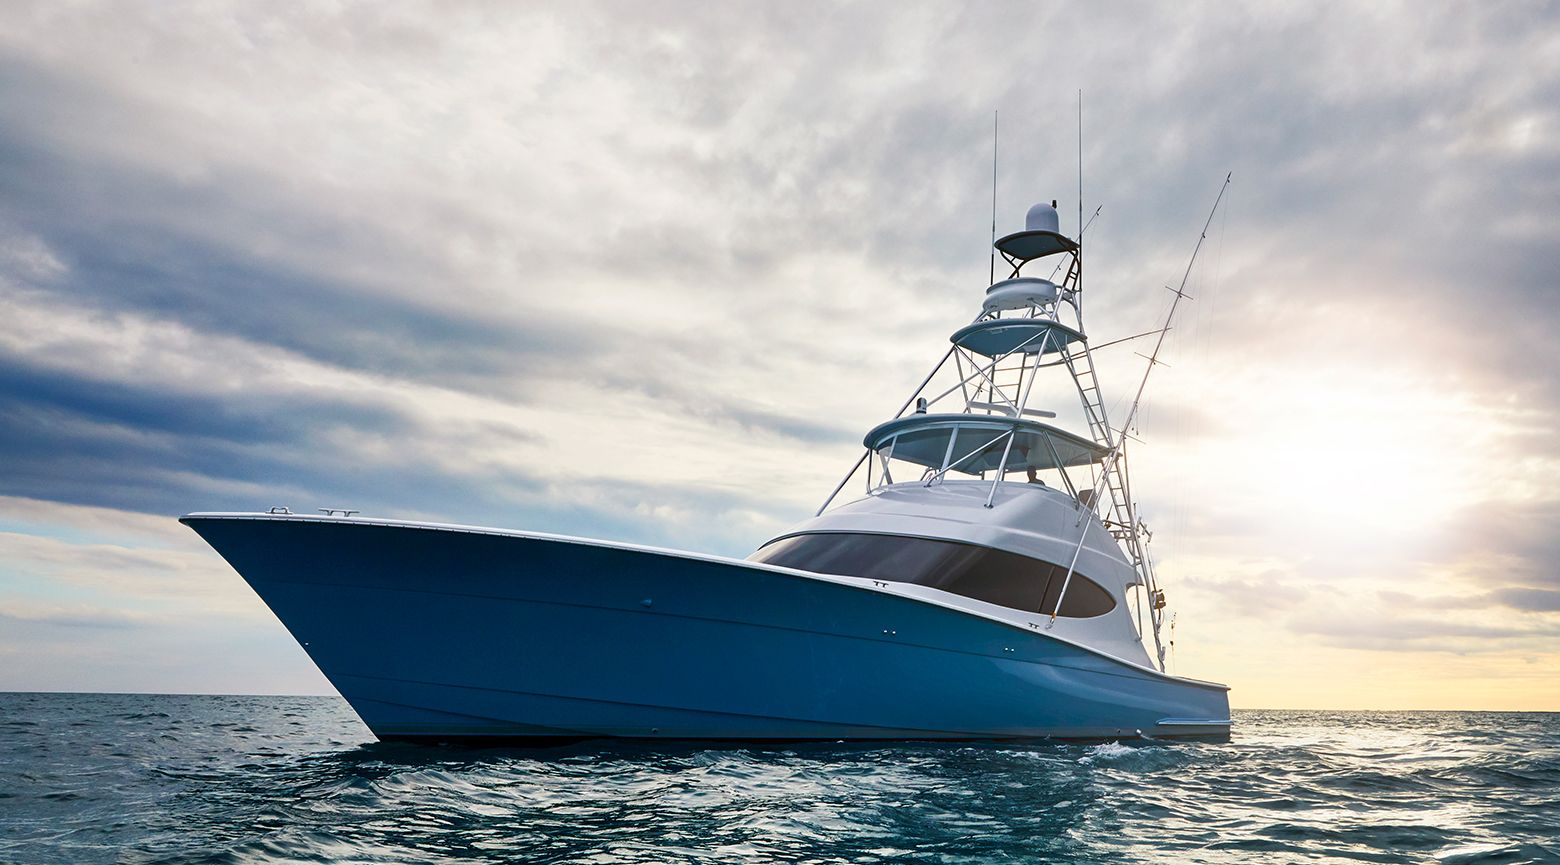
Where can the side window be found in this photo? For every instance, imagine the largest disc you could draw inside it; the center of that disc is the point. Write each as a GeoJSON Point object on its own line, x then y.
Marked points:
{"type": "Point", "coordinates": [1004, 579]}
{"type": "Point", "coordinates": [994, 576]}
{"type": "Point", "coordinates": [1085, 598]}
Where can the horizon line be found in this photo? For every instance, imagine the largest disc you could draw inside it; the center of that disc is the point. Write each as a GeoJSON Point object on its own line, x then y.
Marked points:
{"type": "Point", "coordinates": [343, 699]}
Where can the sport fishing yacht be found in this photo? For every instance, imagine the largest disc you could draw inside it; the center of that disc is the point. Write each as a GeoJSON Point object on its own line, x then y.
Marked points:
{"type": "Point", "coordinates": [989, 578]}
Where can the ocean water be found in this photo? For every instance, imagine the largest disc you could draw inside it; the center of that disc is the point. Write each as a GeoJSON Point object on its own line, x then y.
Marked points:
{"type": "Point", "coordinates": [141, 779]}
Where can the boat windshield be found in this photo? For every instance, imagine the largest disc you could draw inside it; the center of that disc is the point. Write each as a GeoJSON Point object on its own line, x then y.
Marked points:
{"type": "Point", "coordinates": [974, 444]}
{"type": "Point", "coordinates": [994, 576]}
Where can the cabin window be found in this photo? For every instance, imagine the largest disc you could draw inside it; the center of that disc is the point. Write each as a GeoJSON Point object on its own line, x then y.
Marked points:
{"type": "Point", "coordinates": [994, 576]}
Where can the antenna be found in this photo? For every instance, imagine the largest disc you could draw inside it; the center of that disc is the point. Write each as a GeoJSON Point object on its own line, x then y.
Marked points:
{"type": "Point", "coordinates": [992, 275]}
{"type": "Point", "coordinates": [1080, 166]}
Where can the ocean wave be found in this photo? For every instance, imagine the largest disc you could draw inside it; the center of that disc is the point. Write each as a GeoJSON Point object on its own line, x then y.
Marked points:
{"type": "Point", "coordinates": [123, 778]}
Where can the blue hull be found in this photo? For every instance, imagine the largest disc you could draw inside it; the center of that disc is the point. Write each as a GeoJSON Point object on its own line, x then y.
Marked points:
{"type": "Point", "coordinates": [450, 635]}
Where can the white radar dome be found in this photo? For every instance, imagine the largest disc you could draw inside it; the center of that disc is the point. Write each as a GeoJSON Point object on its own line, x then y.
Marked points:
{"type": "Point", "coordinates": [1042, 217]}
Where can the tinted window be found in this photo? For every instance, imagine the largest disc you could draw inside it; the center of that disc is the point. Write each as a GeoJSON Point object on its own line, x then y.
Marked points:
{"type": "Point", "coordinates": [997, 577]}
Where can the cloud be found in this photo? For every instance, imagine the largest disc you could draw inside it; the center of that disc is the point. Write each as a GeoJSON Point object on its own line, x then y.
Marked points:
{"type": "Point", "coordinates": [1367, 617]}
{"type": "Point", "coordinates": [74, 618]}
{"type": "Point", "coordinates": [1403, 633]}
{"type": "Point", "coordinates": [1535, 600]}
{"type": "Point", "coordinates": [1449, 634]}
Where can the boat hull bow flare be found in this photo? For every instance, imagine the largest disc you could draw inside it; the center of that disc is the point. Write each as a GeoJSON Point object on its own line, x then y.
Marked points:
{"type": "Point", "coordinates": [456, 634]}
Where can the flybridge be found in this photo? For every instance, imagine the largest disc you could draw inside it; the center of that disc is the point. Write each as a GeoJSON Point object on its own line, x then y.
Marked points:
{"type": "Point", "coordinates": [981, 424]}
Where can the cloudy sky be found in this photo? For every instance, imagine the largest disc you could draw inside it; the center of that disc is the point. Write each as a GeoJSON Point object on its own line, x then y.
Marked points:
{"type": "Point", "coordinates": [647, 271]}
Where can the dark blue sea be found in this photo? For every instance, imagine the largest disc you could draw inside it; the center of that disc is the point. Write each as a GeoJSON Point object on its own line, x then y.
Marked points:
{"type": "Point", "coordinates": [141, 779]}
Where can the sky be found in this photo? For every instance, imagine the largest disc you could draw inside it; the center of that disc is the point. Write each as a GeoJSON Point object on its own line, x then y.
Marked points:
{"type": "Point", "coordinates": [648, 271]}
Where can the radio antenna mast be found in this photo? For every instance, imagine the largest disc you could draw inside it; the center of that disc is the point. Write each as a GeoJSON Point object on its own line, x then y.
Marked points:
{"type": "Point", "coordinates": [1080, 166]}
{"type": "Point", "coordinates": [992, 275]}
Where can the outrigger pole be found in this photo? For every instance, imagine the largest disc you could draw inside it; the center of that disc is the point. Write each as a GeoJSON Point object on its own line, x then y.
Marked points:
{"type": "Point", "coordinates": [1115, 458]}
{"type": "Point", "coordinates": [1179, 292]}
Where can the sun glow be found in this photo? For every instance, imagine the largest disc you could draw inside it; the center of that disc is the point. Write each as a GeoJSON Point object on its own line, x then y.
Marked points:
{"type": "Point", "coordinates": [1377, 457]}
{"type": "Point", "coordinates": [1361, 458]}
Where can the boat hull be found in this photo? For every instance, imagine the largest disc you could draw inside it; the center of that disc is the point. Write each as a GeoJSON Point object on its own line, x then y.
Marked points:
{"type": "Point", "coordinates": [456, 635]}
